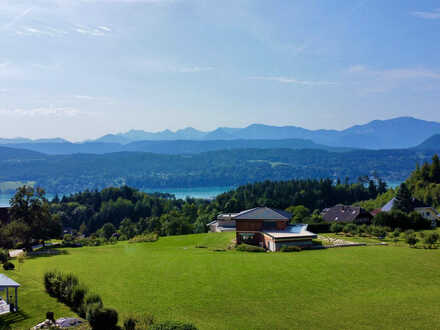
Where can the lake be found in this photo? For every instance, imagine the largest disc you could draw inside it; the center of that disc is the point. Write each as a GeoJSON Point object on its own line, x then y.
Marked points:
{"type": "Point", "coordinates": [180, 193]}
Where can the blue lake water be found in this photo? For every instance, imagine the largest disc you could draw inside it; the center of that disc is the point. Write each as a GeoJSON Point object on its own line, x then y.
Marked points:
{"type": "Point", "coordinates": [180, 193]}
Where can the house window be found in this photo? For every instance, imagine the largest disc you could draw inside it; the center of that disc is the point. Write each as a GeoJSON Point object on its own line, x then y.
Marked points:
{"type": "Point", "coordinates": [269, 225]}
{"type": "Point", "coordinates": [248, 238]}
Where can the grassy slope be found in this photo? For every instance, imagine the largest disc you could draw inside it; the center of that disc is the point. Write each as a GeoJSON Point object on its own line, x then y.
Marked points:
{"type": "Point", "coordinates": [348, 288]}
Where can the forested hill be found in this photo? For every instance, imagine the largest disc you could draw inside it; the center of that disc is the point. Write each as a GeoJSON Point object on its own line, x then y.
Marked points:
{"type": "Point", "coordinates": [173, 147]}
{"type": "Point", "coordinates": [71, 173]}
{"type": "Point", "coordinates": [11, 154]}
{"type": "Point", "coordinates": [433, 143]}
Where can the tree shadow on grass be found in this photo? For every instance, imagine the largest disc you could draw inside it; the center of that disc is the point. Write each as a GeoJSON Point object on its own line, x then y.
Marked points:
{"type": "Point", "coordinates": [46, 253]}
{"type": "Point", "coordinates": [9, 319]}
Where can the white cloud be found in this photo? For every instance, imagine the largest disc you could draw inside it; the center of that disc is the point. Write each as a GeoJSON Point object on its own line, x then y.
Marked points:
{"type": "Point", "coordinates": [93, 31]}
{"type": "Point", "coordinates": [41, 112]}
{"type": "Point", "coordinates": [104, 28]}
{"type": "Point", "coordinates": [381, 81]}
{"type": "Point", "coordinates": [434, 14]}
{"type": "Point", "coordinates": [40, 31]}
{"type": "Point", "coordinates": [289, 80]}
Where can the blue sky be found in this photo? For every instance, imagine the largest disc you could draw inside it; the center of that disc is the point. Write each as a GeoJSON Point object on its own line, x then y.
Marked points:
{"type": "Point", "coordinates": [83, 68]}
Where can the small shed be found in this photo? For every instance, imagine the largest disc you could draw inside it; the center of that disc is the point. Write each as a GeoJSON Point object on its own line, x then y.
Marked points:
{"type": "Point", "coordinates": [5, 284]}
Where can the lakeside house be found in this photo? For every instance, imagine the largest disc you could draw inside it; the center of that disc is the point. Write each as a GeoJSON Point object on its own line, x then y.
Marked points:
{"type": "Point", "coordinates": [426, 212]}
{"type": "Point", "coordinates": [265, 227]}
{"type": "Point", "coordinates": [346, 214]}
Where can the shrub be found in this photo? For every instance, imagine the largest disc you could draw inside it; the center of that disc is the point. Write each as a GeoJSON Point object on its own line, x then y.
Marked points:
{"type": "Point", "coordinates": [4, 256]}
{"type": "Point", "coordinates": [350, 228]}
{"type": "Point", "coordinates": [143, 321]}
{"type": "Point", "coordinates": [172, 325]}
{"type": "Point", "coordinates": [88, 301]}
{"type": "Point", "coordinates": [249, 248]}
{"type": "Point", "coordinates": [77, 297]}
{"type": "Point", "coordinates": [431, 239]}
{"type": "Point", "coordinates": [8, 265]}
{"type": "Point", "coordinates": [291, 248]}
{"type": "Point", "coordinates": [411, 240]}
{"type": "Point", "coordinates": [378, 231]}
{"type": "Point", "coordinates": [49, 280]}
{"type": "Point", "coordinates": [336, 227]}
{"type": "Point", "coordinates": [130, 324]}
{"type": "Point", "coordinates": [151, 237]}
{"type": "Point", "coordinates": [102, 318]}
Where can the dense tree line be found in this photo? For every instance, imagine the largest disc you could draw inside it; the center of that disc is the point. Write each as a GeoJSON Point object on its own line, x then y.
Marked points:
{"type": "Point", "coordinates": [134, 212]}
{"type": "Point", "coordinates": [424, 182]}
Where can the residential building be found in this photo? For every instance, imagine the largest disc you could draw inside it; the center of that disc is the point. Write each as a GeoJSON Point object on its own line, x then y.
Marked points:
{"type": "Point", "coordinates": [429, 213]}
{"type": "Point", "coordinates": [268, 228]}
{"type": "Point", "coordinates": [346, 214]}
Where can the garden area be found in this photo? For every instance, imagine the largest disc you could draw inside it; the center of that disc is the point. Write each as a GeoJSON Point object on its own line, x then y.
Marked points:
{"type": "Point", "coordinates": [219, 288]}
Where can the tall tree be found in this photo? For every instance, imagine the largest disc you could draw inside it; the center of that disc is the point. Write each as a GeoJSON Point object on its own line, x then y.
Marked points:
{"type": "Point", "coordinates": [435, 169]}
{"type": "Point", "coordinates": [403, 200]}
{"type": "Point", "coordinates": [30, 210]}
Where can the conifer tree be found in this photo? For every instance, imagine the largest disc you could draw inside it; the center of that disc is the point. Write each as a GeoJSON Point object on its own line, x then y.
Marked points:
{"type": "Point", "coordinates": [435, 169]}
{"type": "Point", "coordinates": [403, 200]}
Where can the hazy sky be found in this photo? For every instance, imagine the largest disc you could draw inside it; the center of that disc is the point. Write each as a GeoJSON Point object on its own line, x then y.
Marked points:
{"type": "Point", "coordinates": [83, 68]}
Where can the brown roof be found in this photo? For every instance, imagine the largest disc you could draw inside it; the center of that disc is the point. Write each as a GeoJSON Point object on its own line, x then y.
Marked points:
{"type": "Point", "coordinates": [344, 213]}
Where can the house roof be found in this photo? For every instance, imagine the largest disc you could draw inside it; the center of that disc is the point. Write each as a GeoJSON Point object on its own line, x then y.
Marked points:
{"type": "Point", "coordinates": [344, 213]}
{"type": "Point", "coordinates": [7, 282]}
{"type": "Point", "coordinates": [262, 213]}
{"type": "Point", "coordinates": [389, 206]}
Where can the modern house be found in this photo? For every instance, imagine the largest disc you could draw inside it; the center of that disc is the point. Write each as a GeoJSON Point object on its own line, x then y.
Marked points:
{"type": "Point", "coordinates": [222, 223]}
{"type": "Point", "coordinates": [268, 228]}
{"type": "Point", "coordinates": [346, 214]}
{"type": "Point", "coordinates": [426, 212]}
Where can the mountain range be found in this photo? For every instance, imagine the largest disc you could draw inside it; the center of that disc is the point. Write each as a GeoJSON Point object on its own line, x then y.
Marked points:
{"type": "Point", "coordinates": [397, 133]}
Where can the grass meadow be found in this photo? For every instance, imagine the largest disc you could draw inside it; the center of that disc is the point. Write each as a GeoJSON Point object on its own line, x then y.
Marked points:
{"type": "Point", "coordinates": [388, 287]}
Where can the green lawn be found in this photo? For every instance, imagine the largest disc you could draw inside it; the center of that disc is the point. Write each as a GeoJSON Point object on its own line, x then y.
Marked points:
{"type": "Point", "coordinates": [388, 287]}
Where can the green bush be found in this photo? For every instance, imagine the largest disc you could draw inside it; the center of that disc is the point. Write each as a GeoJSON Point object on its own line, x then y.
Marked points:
{"type": "Point", "coordinates": [8, 265]}
{"type": "Point", "coordinates": [336, 228]}
{"type": "Point", "coordinates": [172, 325]}
{"type": "Point", "coordinates": [249, 248]}
{"type": "Point", "coordinates": [431, 239]}
{"type": "Point", "coordinates": [130, 324]}
{"type": "Point", "coordinates": [77, 297]}
{"type": "Point", "coordinates": [89, 300]}
{"type": "Point", "coordinates": [350, 228]}
{"type": "Point", "coordinates": [102, 318]}
{"type": "Point", "coordinates": [411, 240]}
{"type": "Point", "coordinates": [151, 237]}
{"type": "Point", "coordinates": [4, 256]}
{"type": "Point", "coordinates": [291, 248]}
{"type": "Point", "coordinates": [49, 280]}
